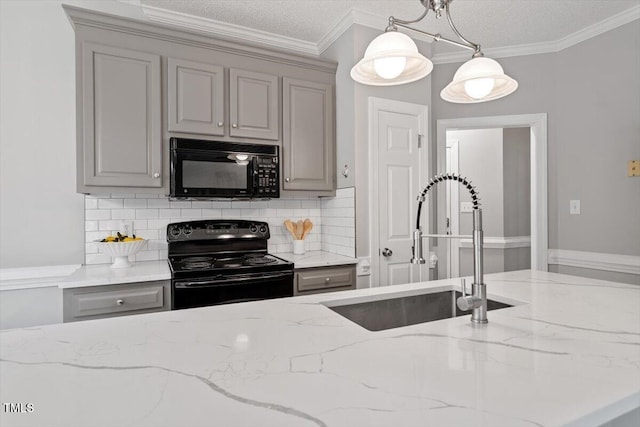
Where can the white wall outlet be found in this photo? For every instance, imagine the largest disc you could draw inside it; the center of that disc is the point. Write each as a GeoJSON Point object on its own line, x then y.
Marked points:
{"type": "Point", "coordinates": [466, 207]}
{"type": "Point", "coordinates": [126, 228]}
{"type": "Point", "coordinates": [364, 267]}
{"type": "Point", "coordinates": [574, 207]}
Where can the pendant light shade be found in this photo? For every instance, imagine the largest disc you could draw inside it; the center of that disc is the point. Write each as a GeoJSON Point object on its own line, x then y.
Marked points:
{"type": "Point", "coordinates": [478, 80]}
{"type": "Point", "coordinates": [392, 58]}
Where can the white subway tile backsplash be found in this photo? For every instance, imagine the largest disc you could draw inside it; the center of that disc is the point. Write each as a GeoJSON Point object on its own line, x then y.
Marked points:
{"type": "Point", "coordinates": [158, 203]}
{"type": "Point", "coordinates": [90, 203]}
{"type": "Point", "coordinates": [135, 203]}
{"type": "Point", "coordinates": [333, 218]}
{"type": "Point", "coordinates": [97, 214]}
{"type": "Point", "coordinates": [123, 213]}
{"type": "Point", "coordinates": [179, 204]}
{"type": "Point", "coordinates": [146, 213]}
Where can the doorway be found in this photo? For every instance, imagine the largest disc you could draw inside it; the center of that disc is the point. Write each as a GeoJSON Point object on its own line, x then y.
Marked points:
{"type": "Point", "coordinates": [497, 162]}
{"type": "Point", "coordinates": [537, 124]}
{"type": "Point", "coordinates": [398, 167]}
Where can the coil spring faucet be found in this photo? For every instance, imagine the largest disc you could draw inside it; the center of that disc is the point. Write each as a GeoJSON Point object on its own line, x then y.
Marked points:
{"type": "Point", "coordinates": [477, 301]}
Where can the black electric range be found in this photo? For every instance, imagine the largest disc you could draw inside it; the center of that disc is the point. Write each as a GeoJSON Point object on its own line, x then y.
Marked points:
{"type": "Point", "coordinates": [224, 261]}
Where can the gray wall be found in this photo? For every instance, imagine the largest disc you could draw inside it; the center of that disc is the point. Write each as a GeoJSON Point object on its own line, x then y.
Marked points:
{"type": "Point", "coordinates": [41, 216]}
{"type": "Point", "coordinates": [342, 51]}
{"type": "Point", "coordinates": [517, 182]}
{"type": "Point", "coordinates": [591, 93]}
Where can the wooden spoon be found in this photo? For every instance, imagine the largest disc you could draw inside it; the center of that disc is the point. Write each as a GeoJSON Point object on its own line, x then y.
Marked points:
{"type": "Point", "coordinates": [291, 228]}
{"type": "Point", "coordinates": [299, 229]}
{"type": "Point", "coordinates": [308, 225]}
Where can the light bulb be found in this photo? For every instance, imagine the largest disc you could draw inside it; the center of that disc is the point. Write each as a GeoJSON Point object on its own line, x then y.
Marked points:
{"type": "Point", "coordinates": [242, 156]}
{"type": "Point", "coordinates": [479, 88]}
{"type": "Point", "coordinates": [389, 68]}
{"type": "Point", "coordinates": [242, 162]}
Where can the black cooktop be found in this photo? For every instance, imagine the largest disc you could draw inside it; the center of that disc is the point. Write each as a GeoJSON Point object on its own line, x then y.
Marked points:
{"type": "Point", "coordinates": [215, 264]}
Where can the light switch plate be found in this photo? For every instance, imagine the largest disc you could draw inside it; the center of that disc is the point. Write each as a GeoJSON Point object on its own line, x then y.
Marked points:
{"type": "Point", "coordinates": [633, 169]}
{"type": "Point", "coordinates": [466, 207]}
{"type": "Point", "coordinates": [364, 266]}
{"type": "Point", "coordinates": [574, 207]}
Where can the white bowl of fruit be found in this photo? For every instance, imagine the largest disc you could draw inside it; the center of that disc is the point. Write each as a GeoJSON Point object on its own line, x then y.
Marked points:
{"type": "Point", "coordinates": [120, 247]}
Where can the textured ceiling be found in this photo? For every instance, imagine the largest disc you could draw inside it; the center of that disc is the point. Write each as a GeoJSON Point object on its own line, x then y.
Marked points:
{"type": "Point", "coordinates": [492, 23]}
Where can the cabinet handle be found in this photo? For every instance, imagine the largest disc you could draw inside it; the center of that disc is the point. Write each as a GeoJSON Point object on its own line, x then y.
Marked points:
{"type": "Point", "coordinates": [156, 175]}
{"type": "Point", "coordinates": [234, 125]}
{"type": "Point", "coordinates": [220, 124]}
{"type": "Point", "coordinates": [286, 179]}
{"type": "Point", "coordinates": [120, 302]}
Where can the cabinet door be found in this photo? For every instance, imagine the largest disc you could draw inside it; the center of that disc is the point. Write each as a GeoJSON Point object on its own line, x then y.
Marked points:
{"type": "Point", "coordinates": [308, 141]}
{"type": "Point", "coordinates": [121, 138]}
{"type": "Point", "coordinates": [195, 97]}
{"type": "Point", "coordinates": [254, 106]}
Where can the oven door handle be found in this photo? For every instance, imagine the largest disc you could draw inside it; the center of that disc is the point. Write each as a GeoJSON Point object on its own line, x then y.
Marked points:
{"type": "Point", "coordinates": [231, 280]}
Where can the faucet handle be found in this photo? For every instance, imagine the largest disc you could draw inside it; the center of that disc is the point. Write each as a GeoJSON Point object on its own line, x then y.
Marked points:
{"type": "Point", "coordinates": [463, 285]}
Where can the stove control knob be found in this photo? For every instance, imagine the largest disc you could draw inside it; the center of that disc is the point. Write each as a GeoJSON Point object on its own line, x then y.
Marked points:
{"type": "Point", "coordinates": [253, 228]}
{"type": "Point", "coordinates": [174, 231]}
{"type": "Point", "coordinates": [187, 230]}
{"type": "Point", "coordinates": [263, 229]}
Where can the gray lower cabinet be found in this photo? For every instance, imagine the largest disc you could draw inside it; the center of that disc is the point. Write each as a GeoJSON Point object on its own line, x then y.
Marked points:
{"type": "Point", "coordinates": [308, 141]}
{"type": "Point", "coordinates": [324, 279]}
{"type": "Point", "coordinates": [195, 97]}
{"type": "Point", "coordinates": [120, 129]}
{"type": "Point", "coordinates": [96, 302]}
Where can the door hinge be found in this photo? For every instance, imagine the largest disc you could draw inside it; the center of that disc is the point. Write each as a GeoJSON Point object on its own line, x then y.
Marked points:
{"type": "Point", "coordinates": [420, 140]}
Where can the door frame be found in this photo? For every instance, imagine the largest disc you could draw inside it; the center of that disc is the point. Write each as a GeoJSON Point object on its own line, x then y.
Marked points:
{"type": "Point", "coordinates": [382, 104]}
{"type": "Point", "coordinates": [539, 211]}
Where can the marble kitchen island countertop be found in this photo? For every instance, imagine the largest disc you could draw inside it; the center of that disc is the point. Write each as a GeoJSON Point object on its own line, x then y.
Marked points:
{"type": "Point", "coordinates": [568, 353]}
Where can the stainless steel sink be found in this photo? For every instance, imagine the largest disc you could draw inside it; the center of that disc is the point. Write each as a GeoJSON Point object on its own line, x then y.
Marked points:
{"type": "Point", "coordinates": [403, 311]}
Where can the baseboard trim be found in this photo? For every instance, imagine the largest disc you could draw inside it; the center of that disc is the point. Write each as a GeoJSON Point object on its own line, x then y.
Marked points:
{"type": "Point", "coordinates": [629, 264]}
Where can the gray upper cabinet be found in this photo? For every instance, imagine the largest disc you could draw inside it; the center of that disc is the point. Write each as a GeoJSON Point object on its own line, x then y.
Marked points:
{"type": "Point", "coordinates": [254, 108]}
{"type": "Point", "coordinates": [195, 97]}
{"type": "Point", "coordinates": [308, 143]}
{"type": "Point", "coordinates": [120, 125]}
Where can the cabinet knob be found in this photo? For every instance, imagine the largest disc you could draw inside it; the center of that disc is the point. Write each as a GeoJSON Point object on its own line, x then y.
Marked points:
{"type": "Point", "coordinates": [287, 179]}
{"type": "Point", "coordinates": [234, 125]}
{"type": "Point", "coordinates": [156, 175]}
{"type": "Point", "coordinates": [220, 124]}
{"type": "Point", "coordinates": [327, 280]}
{"type": "Point", "coordinates": [120, 302]}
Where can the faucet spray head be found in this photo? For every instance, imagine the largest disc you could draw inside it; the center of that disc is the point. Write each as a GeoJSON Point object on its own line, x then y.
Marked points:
{"type": "Point", "coordinates": [417, 248]}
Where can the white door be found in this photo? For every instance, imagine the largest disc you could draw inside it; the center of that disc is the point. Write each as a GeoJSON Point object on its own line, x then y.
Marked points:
{"type": "Point", "coordinates": [399, 146]}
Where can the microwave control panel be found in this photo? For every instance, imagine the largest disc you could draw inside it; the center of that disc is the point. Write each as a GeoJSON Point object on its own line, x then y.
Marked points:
{"type": "Point", "coordinates": [268, 183]}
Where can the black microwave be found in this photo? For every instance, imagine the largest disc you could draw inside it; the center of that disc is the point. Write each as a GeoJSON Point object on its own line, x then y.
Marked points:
{"type": "Point", "coordinates": [214, 169]}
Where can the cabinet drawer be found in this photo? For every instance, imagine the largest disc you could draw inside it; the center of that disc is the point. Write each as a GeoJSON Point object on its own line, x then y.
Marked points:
{"type": "Point", "coordinates": [325, 278]}
{"type": "Point", "coordinates": [117, 301]}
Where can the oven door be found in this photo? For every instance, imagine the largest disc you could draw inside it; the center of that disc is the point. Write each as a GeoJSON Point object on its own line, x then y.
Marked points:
{"type": "Point", "coordinates": [227, 289]}
{"type": "Point", "coordinates": [208, 173]}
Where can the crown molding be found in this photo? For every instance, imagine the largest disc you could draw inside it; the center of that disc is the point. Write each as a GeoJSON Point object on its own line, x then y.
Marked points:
{"type": "Point", "coordinates": [241, 34]}
{"type": "Point", "coordinates": [596, 261]}
{"type": "Point", "coordinates": [579, 36]}
{"type": "Point", "coordinates": [229, 31]}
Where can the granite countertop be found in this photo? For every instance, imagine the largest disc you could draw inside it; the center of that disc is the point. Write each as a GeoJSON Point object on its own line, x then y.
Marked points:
{"type": "Point", "coordinates": [312, 259]}
{"type": "Point", "coordinates": [568, 353]}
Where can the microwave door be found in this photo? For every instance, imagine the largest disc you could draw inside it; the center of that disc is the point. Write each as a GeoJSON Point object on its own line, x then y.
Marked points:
{"type": "Point", "coordinates": [211, 174]}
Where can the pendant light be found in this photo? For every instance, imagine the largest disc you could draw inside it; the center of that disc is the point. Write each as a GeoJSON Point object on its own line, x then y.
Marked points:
{"type": "Point", "coordinates": [392, 58]}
